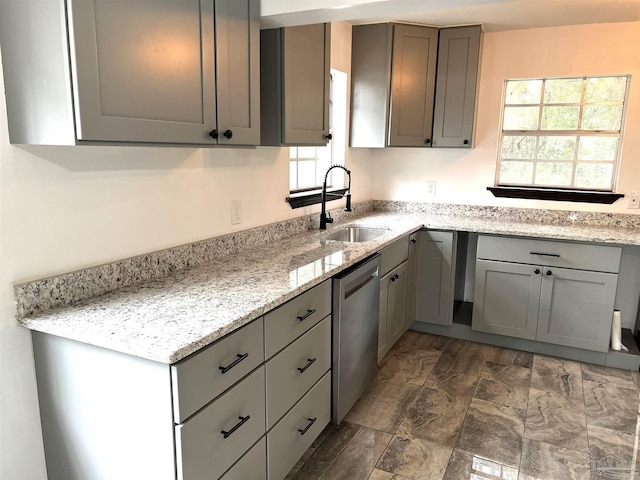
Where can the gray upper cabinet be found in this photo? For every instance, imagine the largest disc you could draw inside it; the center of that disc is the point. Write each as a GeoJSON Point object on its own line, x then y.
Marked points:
{"type": "Point", "coordinates": [393, 82]}
{"type": "Point", "coordinates": [169, 71]}
{"type": "Point", "coordinates": [457, 77]}
{"type": "Point", "coordinates": [295, 85]}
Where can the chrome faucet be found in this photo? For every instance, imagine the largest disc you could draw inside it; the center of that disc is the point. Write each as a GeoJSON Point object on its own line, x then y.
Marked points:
{"type": "Point", "coordinates": [324, 216]}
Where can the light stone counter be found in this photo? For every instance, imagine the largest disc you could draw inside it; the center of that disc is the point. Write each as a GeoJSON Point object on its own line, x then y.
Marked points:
{"type": "Point", "coordinates": [167, 318]}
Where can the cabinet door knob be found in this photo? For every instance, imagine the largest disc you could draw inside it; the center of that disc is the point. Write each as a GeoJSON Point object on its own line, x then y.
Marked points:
{"type": "Point", "coordinates": [427, 141]}
{"type": "Point", "coordinates": [228, 134]}
{"type": "Point", "coordinates": [328, 136]}
{"type": "Point", "coordinates": [395, 277]}
{"type": "Point", "coordinates": [536, 271]}
{"type": "Point", "coordinates": [549, 272]}
{"type": "Point", "coordinates": [466, 142]}
{"type": "Point", "coordinates": [214, 134]}
{"type": "Point", "coordinates": [413, 240]}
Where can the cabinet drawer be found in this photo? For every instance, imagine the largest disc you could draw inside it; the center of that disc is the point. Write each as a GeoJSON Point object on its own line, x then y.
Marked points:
{"type": "Point", "coordinates": [598, 258]}
{"type": "Point", "coordinates": [286, 323]}
{"type": "Point", "coordinates": [203, 376]}
{"type": "Point", "coordinates": [253, 465]}
{"type": "Point", "coordinates": [285, 382]}
{"type": "Point", "coordinates": [293, 435]}
{"type": "Point", "coordinates": [201, 447]}
{"type": "Point", "coordinates": [394, 255]}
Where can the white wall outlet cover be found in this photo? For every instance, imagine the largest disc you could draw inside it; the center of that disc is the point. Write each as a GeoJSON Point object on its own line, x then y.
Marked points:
{"type": "Point", "coordinates": [236, 212]}
{"type": "Point", "coordinates": [431, 189]}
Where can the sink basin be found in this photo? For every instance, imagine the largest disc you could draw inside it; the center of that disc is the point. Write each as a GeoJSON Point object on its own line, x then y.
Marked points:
{"type": "Point", "coordinates": [356, 234]}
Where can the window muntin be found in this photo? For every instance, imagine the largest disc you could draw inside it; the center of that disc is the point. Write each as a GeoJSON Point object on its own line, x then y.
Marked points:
{"type": "Point", "coordinates": [562, 132]}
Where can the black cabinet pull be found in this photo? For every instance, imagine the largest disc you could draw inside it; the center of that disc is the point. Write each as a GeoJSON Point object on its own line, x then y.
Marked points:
{"type": "Point", "coordinates": [311, 422]}
{"type": "Point", "coordinates": [557, 255]}
{"type": "Point", "coordinates": [549, 272]}
{"type": "Point", "coordinates": [214, 134]}
{"type": "Point", "coordinates": [242, 421]}
{"type": "Point", "coordinates": [413, 240]}
{"type": "Point", "coordinates": [427, 141]}
{"type": "Point", "coordinates": [234, 363]}
{"type": "Point", "coordinates": [310, 361]}
{"type": "Point", "coordinates": [466, 142]}
{"type": "Point", "coordinates": [328, 136]}
{"type": "Point", "coordinates": [307, 315]}
{"type": "Point", "coordinates": [228, 134]}
{"type": "Point", "coordinates": [536, 271]}
{"type": "Point", "coordinates": [395, 277]}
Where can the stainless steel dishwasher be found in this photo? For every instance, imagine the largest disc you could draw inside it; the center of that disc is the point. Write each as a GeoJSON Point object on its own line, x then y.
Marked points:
{"type": "Point", "coordinates": [356, 304]}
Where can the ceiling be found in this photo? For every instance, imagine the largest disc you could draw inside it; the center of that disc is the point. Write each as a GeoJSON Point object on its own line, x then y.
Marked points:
{"type": "Point", "coordinates": [495, 15]}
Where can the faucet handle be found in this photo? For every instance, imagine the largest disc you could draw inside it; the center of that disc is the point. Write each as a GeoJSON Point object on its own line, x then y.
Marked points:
{"type": "Point", "coordinates": [329, 218]}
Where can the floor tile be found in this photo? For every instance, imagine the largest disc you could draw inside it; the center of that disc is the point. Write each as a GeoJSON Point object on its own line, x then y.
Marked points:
{"type": "Point", "coordinates": [465, 466]}
{"type": "Point", "coordinates": [556, 420]}
{"type": "Point", "coordinates": [611, 453]}
{"type": "Point", "coordinates": [523, 359]}
{"type": "Point", "coordinates": [383, 404]}
{"type": "Point", "coordinates": [541, 461]}
{"type": "Point", "coordinates": [438, 411]}
{"type": "Point", "coordinates": [410, 366]}
{"type": "Point", "coordinates": [462, 357]}
{"type": "Point", "coordinates": [415, 458]}
{"type": "Point", "coordinates": [609, 406]}
{"type": "Point", "coordinates": [597, 373]}
{"type": "Point", "coordinates": [558, 376]}
{"type": "Point", "coordinates": [349, 452]}
{"type": "Point", "coordinates": [377, 474]}
{"type": "Point", "coordinates": [504, 385]}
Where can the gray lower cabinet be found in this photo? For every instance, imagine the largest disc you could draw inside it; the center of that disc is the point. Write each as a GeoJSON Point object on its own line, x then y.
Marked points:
{"type": "Point", "coordinates": [436, 276]}
{"type": "Point", "coordinates": [412, 277]}
{"type": "Point", "coordinates": [549, 301]}
{"type": "Point", "coordinates": [172, 71]}
{"type": "Point", "coordinates": [393, 308]}
{"type": "Point", "coordinates": [393, 84]}
{"type": "Point", "coordinates": [295, 85]}
{"type": "Point", "coordinates": [251, 465]}
{"type": "Point", "coordinates": [456, 82]}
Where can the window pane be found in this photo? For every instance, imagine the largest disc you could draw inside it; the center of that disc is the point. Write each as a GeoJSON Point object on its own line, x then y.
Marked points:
{"type": "Point", "coordinates": [560, 118]}
{"type": "Point", "coordinates": [605, 89]}
{"type": "Point", "coordinates": [602, 117]}
{"type": "Point", "coordinates": [597, 148]}
{"type": "Point", "coordinates": [523, 91]}
{"type": "Point", "coordinates": [594, 175]}
{"type": "Point", "coordinates": [557, 148]}
{"type": "Point", "coordinates": [293, 175]}
{"type": "Point", "coordinates": [521, 118]}
{"type": "Point", "coordinates": [516, 172]}
{"type": "Point", "coordinates": [306, 174]}
{"type": "Point", "coordinates": [563, 90]}
{"type": "Point", "coordinates": [306, 152]}
{"type": "Point", "coordinates": [553, 174]}
{"type": "Point", "coordinates": [518, 147]}
{"type": "Point", "coordinates": [293, 152]}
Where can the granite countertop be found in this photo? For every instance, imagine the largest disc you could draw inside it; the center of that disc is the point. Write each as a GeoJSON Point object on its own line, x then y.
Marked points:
{"type": "Point", "coordinates": [169, 318]}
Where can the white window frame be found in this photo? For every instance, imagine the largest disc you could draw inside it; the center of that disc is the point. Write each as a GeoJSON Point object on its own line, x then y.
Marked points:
{"type": "Point", "coordinates": [539, 132]}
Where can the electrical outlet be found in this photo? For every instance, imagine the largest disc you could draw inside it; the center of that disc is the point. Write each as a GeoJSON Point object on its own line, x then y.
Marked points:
{"type": "Point", "coordinates": [431, 189]}
{"type": "Point", "coordinates": [634, 200]}
{"type": "Point", "coordinates": [236, 212]}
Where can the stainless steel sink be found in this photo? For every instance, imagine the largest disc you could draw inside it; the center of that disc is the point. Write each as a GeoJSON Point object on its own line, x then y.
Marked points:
{"type": "Point", "coordinates": [353, 234]}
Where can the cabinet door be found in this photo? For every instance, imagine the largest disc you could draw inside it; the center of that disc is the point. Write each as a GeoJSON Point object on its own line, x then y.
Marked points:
{"type": "Point", "coordinates": [238, 71]}
{"type": "Point", "coordinates": [383, 339]}
{"type": "Point", "coordinates": [397, 303]}
{"type": "Point", "coordinates": [436, 276]}
{"type": "Point", "coordinates": [458, 57]}
{"type": "Point", "coordinates": [412, 85]}
{"type": "Point", "coordinates": [506, 298]}
{"type": "Point", "coordinates": [576, 308]}
{"type": "Point", "coordinates": [412, 271]}
{"type": "Point", "coordinates": [306, 51]}
{"type": "Point", "coordinates": [143, 71]}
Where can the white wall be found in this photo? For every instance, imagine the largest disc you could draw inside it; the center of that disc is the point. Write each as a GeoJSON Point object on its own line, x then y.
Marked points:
{"type": "Point", "coordinates": [63, 208]}
{"type": "Point", "coordinates": [462, 176]}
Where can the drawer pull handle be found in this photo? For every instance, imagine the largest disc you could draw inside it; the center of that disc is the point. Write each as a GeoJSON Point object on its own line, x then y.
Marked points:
{"type": "Point", "coordinates": [311, 362]}
{"type": "Point", "coordinates": [234, 363]}
{"type": "Point", "coordinates": [311, 422]}
{"type": "Point", "coordinates": [242, 421]}
{"type": "Point", "coordinates": [546, 254]}
{"type": "Point", "coordinates": [307, 315]}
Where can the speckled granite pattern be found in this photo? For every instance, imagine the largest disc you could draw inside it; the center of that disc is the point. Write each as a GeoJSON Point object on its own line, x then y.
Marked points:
{"type": "Point", "coordinates": [173, 311]}
{"type": "Point", "coordinates": [67, 289]}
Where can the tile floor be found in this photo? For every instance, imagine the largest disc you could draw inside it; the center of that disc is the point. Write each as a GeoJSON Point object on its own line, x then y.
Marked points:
{"type": "Point", "coordinates": [449, 409]}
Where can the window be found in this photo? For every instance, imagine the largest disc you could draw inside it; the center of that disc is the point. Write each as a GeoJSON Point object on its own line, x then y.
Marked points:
{"type": "Point", "coordinates": [562, 133]}
{"type": "Point", "coordinates": [308, 165]}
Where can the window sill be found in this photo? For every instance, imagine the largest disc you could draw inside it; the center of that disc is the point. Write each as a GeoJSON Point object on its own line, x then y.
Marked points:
{"type": "Point", "coordinates": [313, 197]}
{"type": "Point", "coordinates": [584, 196]}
